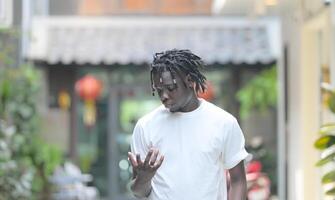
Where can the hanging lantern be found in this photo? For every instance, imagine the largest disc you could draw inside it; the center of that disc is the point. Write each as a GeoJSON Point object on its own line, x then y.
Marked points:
{"type": "Point", "coordinates": [89, 89]}
{"type": "Point", "coordinates": [208, 95]}
{"type": "Point", "coordinates": [64, 100]}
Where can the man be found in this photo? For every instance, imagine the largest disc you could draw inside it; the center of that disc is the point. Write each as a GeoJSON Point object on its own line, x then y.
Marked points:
{"type": "Point", "coordinates": [180, 151]}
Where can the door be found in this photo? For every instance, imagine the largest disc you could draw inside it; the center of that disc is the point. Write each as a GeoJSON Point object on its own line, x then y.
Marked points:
{"type": "Point", "coordinates": [127, 103]}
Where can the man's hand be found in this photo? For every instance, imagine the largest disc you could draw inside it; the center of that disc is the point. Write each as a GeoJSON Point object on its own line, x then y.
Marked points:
{"type": "Point", "coordinates": [143, 172]}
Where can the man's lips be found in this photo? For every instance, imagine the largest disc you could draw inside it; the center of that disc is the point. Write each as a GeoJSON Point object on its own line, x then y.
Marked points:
{"type": "Point", "coordinates": [166, 104]}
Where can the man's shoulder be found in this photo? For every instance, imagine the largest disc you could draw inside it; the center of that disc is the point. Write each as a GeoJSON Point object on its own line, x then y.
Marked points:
{"type": "Point", "coordinates": [216, 111]}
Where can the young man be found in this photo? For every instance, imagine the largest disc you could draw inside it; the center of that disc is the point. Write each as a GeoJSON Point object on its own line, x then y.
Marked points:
{"type": "Point", "coordinates": [180, 151]}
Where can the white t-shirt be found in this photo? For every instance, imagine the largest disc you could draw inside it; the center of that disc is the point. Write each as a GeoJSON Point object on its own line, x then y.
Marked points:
{"type": "Point", "coordinates": [197, 146]}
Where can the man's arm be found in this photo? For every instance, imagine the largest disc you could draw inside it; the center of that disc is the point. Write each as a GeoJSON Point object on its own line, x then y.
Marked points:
{"type": "Point", "coordinates": [238, 183]}
{"type": "Point", "coordinates": [143, 172]}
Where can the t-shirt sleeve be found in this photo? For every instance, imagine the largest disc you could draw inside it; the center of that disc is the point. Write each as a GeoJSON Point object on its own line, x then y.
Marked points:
{"type": "Point", "coordinates": [233, 146]}
{"type": "Point", "coordinates": [139, 144]}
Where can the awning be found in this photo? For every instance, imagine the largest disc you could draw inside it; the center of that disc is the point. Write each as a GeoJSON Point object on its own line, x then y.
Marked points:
{"type": "Point", "coordinates": [135, 39]}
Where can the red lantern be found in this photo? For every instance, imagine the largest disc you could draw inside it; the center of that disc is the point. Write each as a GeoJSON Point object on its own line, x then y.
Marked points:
{"type": "Point", "coordinates": [89, 89]}
{"type": "Point", "coordinates": [209, 92]}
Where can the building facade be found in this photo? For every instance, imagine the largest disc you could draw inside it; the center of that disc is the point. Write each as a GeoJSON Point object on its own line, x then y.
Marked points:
{"type": "Point", "coordinates": [115, 41]}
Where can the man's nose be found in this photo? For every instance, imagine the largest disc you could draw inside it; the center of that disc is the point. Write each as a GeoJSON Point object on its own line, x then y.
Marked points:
{"type": "Point", "coordinates": [164, 95]}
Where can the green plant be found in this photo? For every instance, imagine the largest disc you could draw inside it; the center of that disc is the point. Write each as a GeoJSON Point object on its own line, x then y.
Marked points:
{"type": "Point", "coordinates": [16, 174]}
{"type": "Point", "coordinates": [259, 93]}
{"type": "Point", "coordinates": [325, 143]}
{"type": "Point", "coordinates": [25, 160]}
{"type": "Point", "coordinates": [18, 100]}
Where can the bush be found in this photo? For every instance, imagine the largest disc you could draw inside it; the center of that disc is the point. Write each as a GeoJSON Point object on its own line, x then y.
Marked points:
{"type": "Point", "coordinates": [25, 160]}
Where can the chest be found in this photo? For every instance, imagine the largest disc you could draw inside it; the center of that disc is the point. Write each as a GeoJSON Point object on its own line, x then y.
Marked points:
{"type": "Point", "coordinates": [188, 141]}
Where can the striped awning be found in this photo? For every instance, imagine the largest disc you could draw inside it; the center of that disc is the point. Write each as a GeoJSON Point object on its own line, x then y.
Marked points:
{"type": "Point", "coordinates": [135, 39]}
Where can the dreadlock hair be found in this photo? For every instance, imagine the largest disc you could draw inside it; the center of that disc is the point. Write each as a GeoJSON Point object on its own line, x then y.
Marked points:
{"type": "Point", "coordinates": [177, 61]}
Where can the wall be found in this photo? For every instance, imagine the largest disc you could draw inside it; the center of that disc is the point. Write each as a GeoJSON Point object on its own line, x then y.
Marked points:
{"type": "Point", "coordinates": [306, 34]}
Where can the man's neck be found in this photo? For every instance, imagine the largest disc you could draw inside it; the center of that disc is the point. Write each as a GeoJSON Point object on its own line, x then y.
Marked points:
{"type": "Point", "coordinates": [193, 104]}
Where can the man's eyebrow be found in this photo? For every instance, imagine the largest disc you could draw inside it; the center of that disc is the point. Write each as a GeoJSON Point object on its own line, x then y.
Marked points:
{"type": "Point", "coordinates": [162, 85]}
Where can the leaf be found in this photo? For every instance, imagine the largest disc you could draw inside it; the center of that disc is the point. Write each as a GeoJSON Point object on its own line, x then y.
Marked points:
{"type": "Point", "coordinates": [331, 192]}
{"type": "Point", "coordinates": [5, 90]}
{"type": "Point", "coordinates": [324, 142]}
{"type": "Point", "coordinates": [329, 177]}
{"type": "Point", "coordinates": [331, 102]}
{"type": "Point", "coordinates": [327, 128]}
{"type": "Point", "coordinates": [326, 159]}
{"type": "Point", "coordinates": [259, 93]}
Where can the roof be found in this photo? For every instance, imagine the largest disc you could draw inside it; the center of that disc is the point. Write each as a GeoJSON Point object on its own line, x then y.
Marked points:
{"type": "Point", "coordinates": [125, 40]}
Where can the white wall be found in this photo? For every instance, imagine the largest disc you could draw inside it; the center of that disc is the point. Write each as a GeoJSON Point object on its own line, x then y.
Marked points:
{"type": "Point", "coordinates": [302, 36]}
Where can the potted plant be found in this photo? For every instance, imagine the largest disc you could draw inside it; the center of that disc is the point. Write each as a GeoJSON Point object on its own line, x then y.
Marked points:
{"type": "Point", "coordinates": [326, 140]}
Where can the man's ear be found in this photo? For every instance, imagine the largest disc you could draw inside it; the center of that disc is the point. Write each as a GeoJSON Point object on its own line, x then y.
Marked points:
{"type": "Point", "coordinates": [189, 81]}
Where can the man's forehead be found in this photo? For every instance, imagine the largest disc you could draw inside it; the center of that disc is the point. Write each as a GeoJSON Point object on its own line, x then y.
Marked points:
{"type": "Point", "coordinates": [167, 76]}
{"type": "Point", "coordinates": [164, 78]}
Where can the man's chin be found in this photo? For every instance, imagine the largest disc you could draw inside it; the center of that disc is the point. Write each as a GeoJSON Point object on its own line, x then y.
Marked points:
{"type": "Point", "coordinates": [172, 109]}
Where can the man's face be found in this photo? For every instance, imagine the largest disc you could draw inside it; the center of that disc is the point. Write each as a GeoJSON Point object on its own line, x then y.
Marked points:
{"type": "Point", "coordinates": [175, 97]}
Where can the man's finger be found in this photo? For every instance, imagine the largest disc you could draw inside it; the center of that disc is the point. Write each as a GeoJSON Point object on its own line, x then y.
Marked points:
{"type": "Point", "coordinates": [159, 163]}
{"type": "Point", "coordinates": [147, 158]}
{"type": "Point", "coordinates": [132, 160]}
{"type": "Point", "coordinates": [154, 157]}
{"type": "Point", "coordinates": [138, 159]}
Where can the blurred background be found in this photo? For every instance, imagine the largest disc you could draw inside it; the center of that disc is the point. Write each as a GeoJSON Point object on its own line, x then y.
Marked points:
{"type": "Point", "coordinates": [74, 79]}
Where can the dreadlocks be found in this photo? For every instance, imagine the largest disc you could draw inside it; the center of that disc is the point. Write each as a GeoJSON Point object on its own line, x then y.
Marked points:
{"type": "Point", "coordinates": [177, 61]}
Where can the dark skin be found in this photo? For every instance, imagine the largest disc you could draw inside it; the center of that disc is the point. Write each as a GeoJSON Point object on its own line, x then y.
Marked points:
{"type": "Point", "coordinates": [144, 171]}
{"type": "Point", "coordinates": [179, 97]}
{"type": "Point", "coordinates": [238, 182]}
